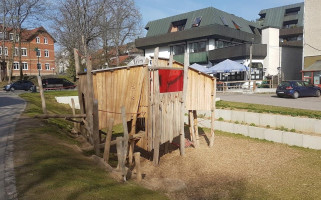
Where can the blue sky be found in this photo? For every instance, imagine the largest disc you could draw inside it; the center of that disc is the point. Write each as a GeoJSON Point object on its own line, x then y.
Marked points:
{"type": "Point", "coordinates": [248, 9]}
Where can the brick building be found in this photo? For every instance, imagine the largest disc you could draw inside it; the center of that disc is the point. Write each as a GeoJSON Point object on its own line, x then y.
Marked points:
{"type": "Point", "coordinates": [31, 40]}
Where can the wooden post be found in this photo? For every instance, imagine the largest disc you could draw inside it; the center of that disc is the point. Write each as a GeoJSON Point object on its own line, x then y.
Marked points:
{"type": "Point", "coordinates": [132, 142]}
{"type": "Point", "coordinates": [191, 127]}
{"type": "Point", "coordinates": [119, 152]}
{"type": "Point", "coordinates": [108, 139]}
{"type": "Point", "coordinates": [42, 95]}
{"type": "Point", "coordinates": [196, 129]}
{"type": "Point", "coordinates": [74, 113]}
{"type": "Point", "coordinates": [150, 111]}
{"type": "Point", "coordinates": [156, 119]}
{"type": "Point", "coordinates": [77, 63]}
{"type": "Point", "coordinates": [137, 166]}
{"type": "Point", "coordinates": [213, 113]}
{"type": "Point", "coordinates": [182, 134]}
{"type": "Point", "coordinates": [96, 128]}
{"type": "Point", "coordinates": [171, 59]}
{"type": "Point", "coordinates": [126, 137]}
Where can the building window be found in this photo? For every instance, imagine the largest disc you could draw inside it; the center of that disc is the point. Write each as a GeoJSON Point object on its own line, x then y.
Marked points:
{"type": "Point", "coordinates": [16, 51]}
{"type": "Point", "coordinates": [178, 49]}
{"type": "Point", "coordinates": [38, 53]}
{"type": "Point", "coordinates": [224, 21]}
{"type": "Point", "coordinates": [11, 36]}
{"type": "Point", "coordinates": [45, 40]}
{"type": "Point", "coordinates": [23, 51]}
{"type": "Point", "coordinates": [47, 66]}
{"type": "Point", "coordinates": [46, 53]}
{"type": "Point", "coordinates": [24, 66]}
{"type": "Point", "coordinates": [15, 66]}
{"type": "Point", "coordinates": [290, 24]}
{"type": "Point", "coordinates": [178, 26]}
{"type": "Point", "coordinates": [197, 22]}
{"type": "Point", "coordinates": [292, 11]}
{"type": "Point", "coordinates": [37, 39]}
{"type": "Point", "coordinates": [6, 51]}
{"type": "Point", "coordinates": [196, 47]}
{"type": "Point", "coordinates": [222, 44]}
{"type": "Point", "coordinates": [39, 66]}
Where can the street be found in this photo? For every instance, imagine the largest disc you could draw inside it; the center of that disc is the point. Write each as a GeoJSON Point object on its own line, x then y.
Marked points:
{"type": "Point", "coordinates": [309, 103]}
{"type": "Point", "coordinates": [11, 107]}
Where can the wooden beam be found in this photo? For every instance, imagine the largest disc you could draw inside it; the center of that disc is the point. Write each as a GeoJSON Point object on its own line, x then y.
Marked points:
{"type": "Point", "coordinates": [47, 116]}
{"type": "Point", "coordinates": [108, 139]}
{"type": "Point", "coordinates": [137, 166]}
{"type": "Point", "coordinates": [196, 129]}
{"type": "Point", "coordinates": [42, 95]}
{"type": "Point", "coordinates": [96, 128]}
{"type": "Point", "coordinates": [191, 127]}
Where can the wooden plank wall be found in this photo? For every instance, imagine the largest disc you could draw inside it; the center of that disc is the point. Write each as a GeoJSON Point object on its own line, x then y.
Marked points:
{"type": "Point", "coordinates": [199, 91]}
{"type": "Point", "coordinates": [117, 88]}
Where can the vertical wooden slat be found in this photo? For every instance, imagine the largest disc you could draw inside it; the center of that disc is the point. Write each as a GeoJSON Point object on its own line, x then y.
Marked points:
{"type": "Point", "coordinates": [110, 124]}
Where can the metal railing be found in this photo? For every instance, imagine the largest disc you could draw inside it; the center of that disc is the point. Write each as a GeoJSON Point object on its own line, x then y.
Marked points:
{"type": "Point", "coordinates": [242, 85]}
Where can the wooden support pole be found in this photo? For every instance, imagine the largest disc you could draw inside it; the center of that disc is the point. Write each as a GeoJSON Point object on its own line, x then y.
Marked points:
{"type": "Point", "coordinates": [42, 95]}
{"type": "Point", "coordinates": [126, 137]}
{"type": "Point", "coordinates": [132, 142]}
{"type": "Point", "coordinates": [171, 59]}
{"type": "Point", "coordinates": [196, 129]}
{"type": "Point", "coordinates": [74, 113]}
{"type": "Point", "coordinates": [213, 105]}
{"type": "Point", "coordinates": [191, 128]}
{"type": "Point", "coordinates": [108, 139]}
{"type": "Point", "coordinates": [137, 166]}
{"type": "Point", "coordinates": [119, 152]}
{"type": "Point", "coordinates": [96, 128]}
{"type": "Point", "coordinates": [156, 119]}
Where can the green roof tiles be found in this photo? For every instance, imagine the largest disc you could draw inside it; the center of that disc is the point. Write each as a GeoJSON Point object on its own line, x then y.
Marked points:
{"type": "Point", "coordinates": [274, 17]}
{"type": "Point", "coordinates": [209, 16]}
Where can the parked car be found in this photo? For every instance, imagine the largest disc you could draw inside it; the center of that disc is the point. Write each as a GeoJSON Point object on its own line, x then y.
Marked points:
{"type": "Point", "coordinates": [19, 85]}
{"type": "Point", "coordinates": [57, 83]}
{"type": "Point", "coordinates": [297, 89]}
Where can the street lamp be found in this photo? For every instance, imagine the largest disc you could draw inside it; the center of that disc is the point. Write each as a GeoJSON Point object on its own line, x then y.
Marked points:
{"type": "Point", "coordinates": [38, 54]}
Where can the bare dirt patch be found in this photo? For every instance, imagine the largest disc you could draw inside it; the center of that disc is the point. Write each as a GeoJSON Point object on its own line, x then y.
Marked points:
{"type": "Point", "coordinates": [236, 168]}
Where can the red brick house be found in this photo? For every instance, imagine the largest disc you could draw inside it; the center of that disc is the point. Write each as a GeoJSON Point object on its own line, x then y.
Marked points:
{"type": "Point", "coordinates": [31, 40]}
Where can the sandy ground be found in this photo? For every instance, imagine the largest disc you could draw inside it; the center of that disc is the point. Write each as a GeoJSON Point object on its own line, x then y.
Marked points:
{"type": "Point", "coordinates": [222, 172]}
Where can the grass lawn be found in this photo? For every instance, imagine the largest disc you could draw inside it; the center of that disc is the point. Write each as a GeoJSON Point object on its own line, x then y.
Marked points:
{"type": "Point", "coordinates": [48, 166]}
{"type": "Point", "coordinates": [258, 108]}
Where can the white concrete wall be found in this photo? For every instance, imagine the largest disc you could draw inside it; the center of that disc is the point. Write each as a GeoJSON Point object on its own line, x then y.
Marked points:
{"type": "Point", "coordinates": [270, 36]}
{"type": "Point", "coordinates": [312, 28]}
{"type": "Point", "coordinates": [164, 52]}
{"type": "Point", "coordinates": [274, 121]}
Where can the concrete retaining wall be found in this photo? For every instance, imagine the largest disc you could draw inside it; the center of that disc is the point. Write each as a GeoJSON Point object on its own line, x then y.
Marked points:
{"type": "Point", "coordinates": [67, 100]}
{"type": "Point", "coordinates": [274, 121]}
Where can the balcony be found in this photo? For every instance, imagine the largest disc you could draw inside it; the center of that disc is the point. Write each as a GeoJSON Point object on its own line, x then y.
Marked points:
{"type": "Point", "coordinates": [201, 57]}
{"type": "Point", "coordinates": [238, 52]}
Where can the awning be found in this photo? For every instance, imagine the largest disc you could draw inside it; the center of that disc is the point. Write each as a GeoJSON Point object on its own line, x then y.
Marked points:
{"type": "Point", "coordinates": [227, 66]}
{"type": "Point", "coordinates": [314, 67]}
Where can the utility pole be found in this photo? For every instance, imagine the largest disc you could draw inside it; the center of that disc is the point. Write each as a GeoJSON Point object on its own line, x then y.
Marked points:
{"type": "Point", "coordinates": [251, 52]}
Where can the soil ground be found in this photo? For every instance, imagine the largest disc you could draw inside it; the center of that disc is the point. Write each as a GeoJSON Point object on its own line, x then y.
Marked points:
{"type": "Point", "coordinates": [237, 168]}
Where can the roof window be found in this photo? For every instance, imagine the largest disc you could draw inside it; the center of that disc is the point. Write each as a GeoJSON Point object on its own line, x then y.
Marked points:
{"type": "Point", "coordinates": [178, 26]}
{"type": "Point", "coordinates": [237, 26]}
{"type": "Point", "coordinates": [197, 22]}
{"type": "Point", "coordinates": [224, 21]}
{"type": "Point", "coordinates": [292, 11]}
{"type": "Point", "coordinates": [290, 24]}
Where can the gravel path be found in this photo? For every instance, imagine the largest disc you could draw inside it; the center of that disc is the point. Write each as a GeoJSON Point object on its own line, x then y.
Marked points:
{"type": "Point", "coordinates": [309, 103]}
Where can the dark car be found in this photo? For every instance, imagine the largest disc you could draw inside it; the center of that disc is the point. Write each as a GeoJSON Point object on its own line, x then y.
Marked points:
{"type": "Point", "coordinates": [19, 85]}
{"type": "Point", "coordinates": [57, 83]}
{"type": "Point", "coordinates": [297, 89]}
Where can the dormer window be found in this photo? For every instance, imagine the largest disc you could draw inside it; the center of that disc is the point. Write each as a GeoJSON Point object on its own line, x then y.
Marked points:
{"type": "Point", "coordinates": [197, 22]}
{"type": "Point", "coordinates": [290, 24]}
{"type": "Point", "coordinates": [178, 26]}
{"type": "Point", "coordinates": [224, 21]}
{"type": "Point", "coordinates": [262, 16]}
{"type": "Point", "coordinates": [236, 25]}
{"type": "Point", "coordinates": [37, 39]}
{"type": "Point", "coordinates": [292, 11]}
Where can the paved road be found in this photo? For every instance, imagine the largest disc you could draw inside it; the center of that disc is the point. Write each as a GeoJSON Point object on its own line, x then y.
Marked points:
{"type": "Point", "coordinates": [11, 107]}
{"type": "Point", "coordinates": [309, 103]}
